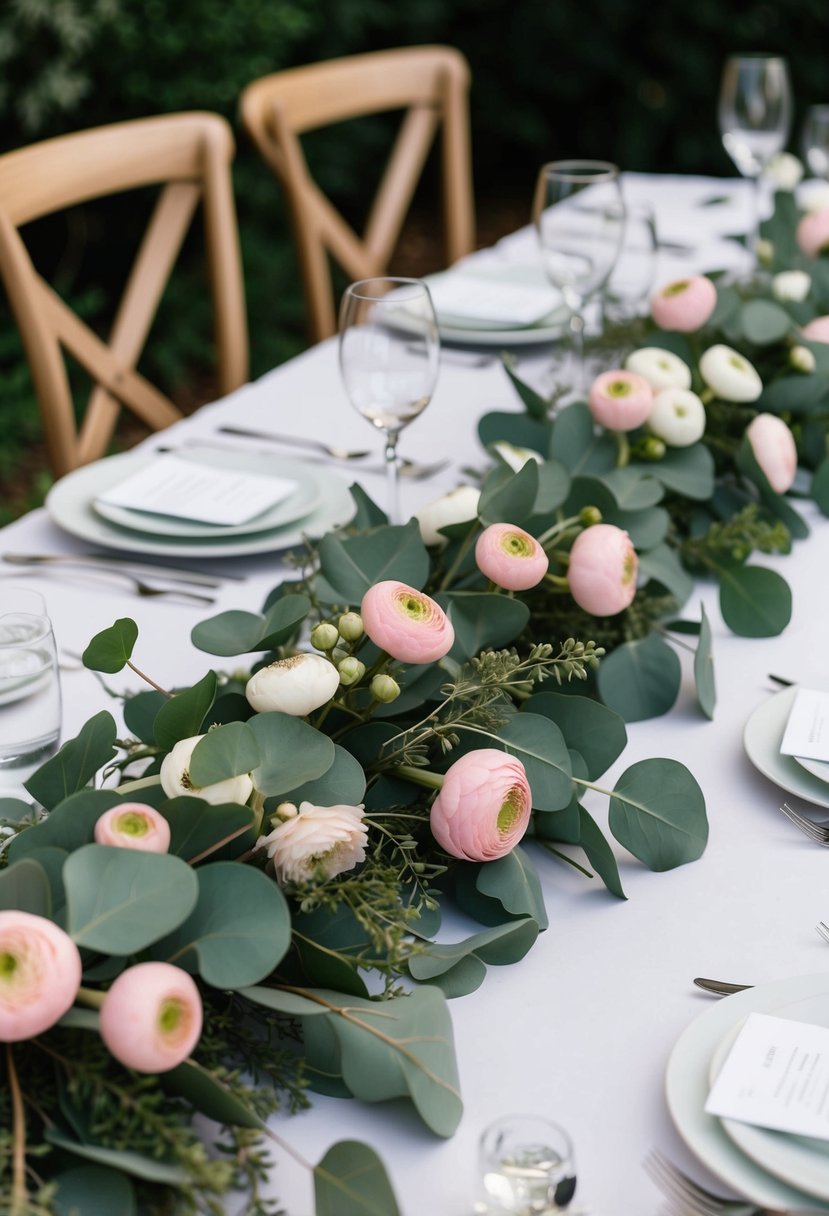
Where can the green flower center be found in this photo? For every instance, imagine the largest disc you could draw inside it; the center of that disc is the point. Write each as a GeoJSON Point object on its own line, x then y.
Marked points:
{"type": "Point", "coordinates": [628, 569]}
{"type": "Point", "coordinates": [676, 289]}
{"type": "Point", "coordinates": [511, 810]}
{"type": "Point", "coordinates": [516, 545]}
{"type": "Point", "coordinates": [131, 823]}
{"type": "Point", "coordinates": [737, 362]}
{"type": "Point", "coordinates": [172, 1016]}
{"type": "Point", "coordinates": [619, 388]}
{"type": "Point", "coordinates": [413, 606]}
{"type": "Point", "coordinates": [8, 965]}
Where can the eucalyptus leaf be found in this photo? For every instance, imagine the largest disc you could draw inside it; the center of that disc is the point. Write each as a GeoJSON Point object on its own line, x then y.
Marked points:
{"type": "Point", "coordinates": [687, 471]}
{"type": "Point", "coordinates": [368, 514]}
{"type": "Point", "coordinates": [93, 1190]}
{"type": "Point", "coordinates": [663, 564]}
{"type": "Point", "coordinates": [482, 620]}
{"type": "Point", "coordinates": [119, 901]}
{"type": "Point", "coordinates": [111, 649]}
{"type": "Point", "coordinates": [764, 322]}
{"type": "Point", "coordinates": [206, 1093]}
{"type": "Point", "coordinates": [704, 668]}
{"type": "Point", "coordinates": [228, 751]}
{"type": "Point", "coordinates": [820, 487]}
{"type": "Point", "coordinates": [238, 931]}
{"type": "Point", "coordinates": [537, 407]}
{"type": "Point", "coordinates": [775, 503]}
{"type": "Point", "coordinates": [512, 881]}
{"type": "Point", "coordinates": [351, 1180]}
{"type": "Point", "coordinates": [344, 782]}
{"type": "Point", "coordinates": [512, 499]}
{"type": "Point", "coordinates": [796, 394]}
{"type": "Point", "coordinates": [353, 564]}
{"type": "Point", "coordinates": [140, 713]}
{"type": "Point", "coordinates": [497, 946]}
{"type": "Point", "coordinates": [599, 853]}
{"type": "Point", "coordinates": [76, 763]}
{"type": "Point", "coordinates": [15, 810]}
{"type": "Point", "coordinates": [596, 732]}
{"type": "Point", "coordinates": [539, 745]}
{"type": "Point", "coordinates": [755, 602]}
{"type": "Point", "coordinates": [24, 886]}
{"type": "Point", "coordinates": [292, 751]}
{"type": "Point", "coordinates": [579, 444]}
{"type": "Point", "coordinates": [518, 429]}
{"type": "Point", "coordinates": [640, 679]}
{"type": "Point", "coordinates": [198, 827]}
{"type": "Point", "coordinates": [657, 811]}
{"type": "Point", "coordinates": [150, 1169]}
{"type": "Point", "coordinates": [229, 633]}
{"type": "Point", "coordinates": [183, 714]}
{"type": "Point", "coordinates": [633, 488]}
{"type": "Point", "coordinates": [70, 825]}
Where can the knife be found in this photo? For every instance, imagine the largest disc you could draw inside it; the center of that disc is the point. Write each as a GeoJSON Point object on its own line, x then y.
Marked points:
{"type": "Point", "coordinates": [720, 987]}
{"type": "Point", "coordinates": [195, 577]}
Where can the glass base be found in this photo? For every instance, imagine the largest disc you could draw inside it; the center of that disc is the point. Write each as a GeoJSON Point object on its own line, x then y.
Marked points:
{"type": "Point", "coordinates": [28, 755]}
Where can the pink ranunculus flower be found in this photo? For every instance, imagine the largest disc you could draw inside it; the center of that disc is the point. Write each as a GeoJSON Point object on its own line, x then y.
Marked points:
{"type": "Point", "coordinates": [133, 825]}
{"type": "Point", "coordinates": [620, 400]}
{"type": "Point", "coordinates": [817, 330]}
{"type": "Point", "coordinates": [483, 807]}
{"type": "Point", "coordinates": [812, 233]}
{"type": "Point", "coordinates": [151, 1017]}
{"type": "Point", "coordinates": [685, 304]}
{"type": "Point", "coordinates": [317, 843]}
{"type": "Point", "coordinates": [602, 570]}
{"type": "Point", "coordinates": [510, 557]}
{"type": "Point", "coordinates": [407, 624]}
{"type": "Point", "coordinates": [40, 974]}
{"type": "Point", "coordinates": [774, 450]}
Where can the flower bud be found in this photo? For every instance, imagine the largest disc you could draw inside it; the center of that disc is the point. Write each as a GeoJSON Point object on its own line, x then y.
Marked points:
{"type": "Point", "coordinates": [791, 285]}
{"type": "Point", "coordinates": [765, 251]}
{"type": "Point", "coordinates": [652, 448]}
{"type": "Point", "coordinates": [620, 400]}
{"type": "Point", "coordinates": [294, 686]}
{"type": "Point", "coordinates": [589, 516]}
{"type": "Point", "coordinates": [324, 636]}
{"type": "Point", "coordinates": [133, 825]}
{"type": "Point", "coordinates": [384, 689]}
{"type": "Point", "coordinates": [731, 376]}
{"type": "Point", "coordinates": [176, 780]}
{"type": "Point", "coordinates": [677, 417]}
{"type": "Point", "coordinates": [784, 171]}
{"type": "Point", "coordinates": [685, 304]}
{"type": "Point", "coordinates": [802, 359]}
{"type": "Point", "coordinates": [459, 506]}
{"type": "Point", "coordinates": [661, 368]}
{"type": "Point", "coordinates": [151, 1017]}
{"type": "Point", "coordinates": [286, 810]}
{"type": "Point", "coordinates": [351, 671]}
{"type": "Point", "coordinates": [350, 626]}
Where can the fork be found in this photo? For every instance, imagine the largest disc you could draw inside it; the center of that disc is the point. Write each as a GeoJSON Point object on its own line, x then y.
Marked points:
{"type": "Point", "coordinates": [137, 585]}
{"type": "Point", "coordinates": [815, 829]}
{"type": "Point", "coordinates": [688, 1198]}
{"type": "Point", "coordinates": [296, 441]}
{"type": "Point", "coordinates": [823, 929]}
{"type": "Point", "coordinates": [411, 469]}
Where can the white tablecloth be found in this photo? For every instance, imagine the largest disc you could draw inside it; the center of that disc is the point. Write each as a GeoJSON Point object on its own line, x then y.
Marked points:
{"type": "Point", "coordinates": [582, 1028]}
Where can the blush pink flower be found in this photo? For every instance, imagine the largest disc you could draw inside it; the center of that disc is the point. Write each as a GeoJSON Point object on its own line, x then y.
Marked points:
{"type": "Point", "coordinates": [40, 974]}
{"type": "Point", "coordinates": [817, 330]}
{"type": "Point", "coordinates": [774, 450]}
{"type": "Point", "coordinates": [151, 1018]}
{"type": "Point", "coordinates": [620, 400]}
{"type": "Point", "coordinates": [685, 304]}
{"type": "Point", "coordinates": [317, 843]}
{"type": "Point", "coordinates": [483, 807]}
{"type": "Point", "coordinates": [510, 557]}
{"type": "Point", "coordinates": [407, 624]}
{"type": "Point", "coordinates": [602, 570]}
{"type": "Point", "coordinates": [812, 233]}
{"type": "Point", "coordinates": [133, 825]}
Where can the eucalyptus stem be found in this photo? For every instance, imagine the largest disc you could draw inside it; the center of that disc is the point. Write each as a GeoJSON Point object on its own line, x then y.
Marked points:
{"type": "Point", "coordinates": [91, 997]}
{"type": "Point", "coordinates": [456, 564]}
{"type": "Point", "coordinates": [142, 675]}
{"type": "Point", "coordinates": [420, 776]}
{"type": "Point", "coordinates": [571, 522]}
{"type": "Point", "coordinates": [19, 1193]}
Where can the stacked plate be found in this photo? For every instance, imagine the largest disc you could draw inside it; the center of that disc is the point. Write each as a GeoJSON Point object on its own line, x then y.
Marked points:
{"type": "Point", "coordinates": [497, 305]}
{"type": "Point", "coordinates": [319, 501]}
{"type": "Point", "coordinates": [762, 736]}
{"type": "Point", "coordinates": [771, 1168]}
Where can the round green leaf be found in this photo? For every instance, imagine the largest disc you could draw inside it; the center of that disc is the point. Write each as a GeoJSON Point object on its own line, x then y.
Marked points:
{"type": "Point", "coordinates": [292, 752]}
{"type": "Point", "coordinates": [820, 487]}
{"type": "Point", "coordinates": [482, 620]}
{"type": "Point", "coordinates": [70, 825]}
{"type": "Point", "coordinates": [352, 565]}
{"type": "Point", "coordinates": [597, 733]}
{"type": "Point", "coordinates": [764, 322]}
{"type": "Point", "coordinates": [351, 1181]}
{"type": "Point", "coordinates": [511, 497]}
{"type": "Point", "coordinates": [228, 633]}
{"type": "Point", "coordinates": [227, 751]}
{"type": "Point", "coordinates": [111, 649]}
{"type": "Point", "coordinates": [704, 668]}
{"type": "Point", "coordinates": [197, 827]}
{"type": "Point", "coordinates": [345, 782]}
{"type": "Point", "coordinates": [539, 745]}
{"type": "Point", "coordinates": [94, 1190]}
{"type": "Point", "coordinates": [119, 901]}
{"type": "Point", "coordinates": [76, 763]}
{"type": "Point", "coordinates": [183, 714]}
{"type": "Point", "coordinates": [25, 886]}
{"type": "Point", "coordinates": [755, 602]}
{"type": "Point", "coordinates": [657, 811]}
{"type": "Point", "coordinates": [640, 679]}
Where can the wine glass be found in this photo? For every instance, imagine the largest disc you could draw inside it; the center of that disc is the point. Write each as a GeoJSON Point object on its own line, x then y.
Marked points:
{"type": "Point", "coordinates": [629, 286]}
{"type": "Point", "coordinates": [755, 113]}
{"type": "Point", "coordinates": [579, 213]}
{"type": "Point", "coordinates": [525, 1167]}
{"type": "Point", "coordinates": [814, 140]}
{"type": "Point", "coordinates": [389, 354]}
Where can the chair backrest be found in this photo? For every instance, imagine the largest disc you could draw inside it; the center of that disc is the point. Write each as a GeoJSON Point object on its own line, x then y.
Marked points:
{"type": "Point", "coordinates": [432, 84]}
{"type": "Point", "coordinates": [189, 155]}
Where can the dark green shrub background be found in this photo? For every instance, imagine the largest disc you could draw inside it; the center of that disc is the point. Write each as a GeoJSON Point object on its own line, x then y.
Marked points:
{"type": "Point", "coordinates": [631, 82]}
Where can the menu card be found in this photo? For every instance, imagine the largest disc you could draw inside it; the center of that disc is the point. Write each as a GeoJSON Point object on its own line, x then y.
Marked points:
{"type": "Point", "coordinates": [776, 1075]}
{"type": "Point", "coordinates": [480, 299]}
{"type": "Point", "coordinates": [807, 728]}
{"type": "Point", "coordinates": [187, 490]}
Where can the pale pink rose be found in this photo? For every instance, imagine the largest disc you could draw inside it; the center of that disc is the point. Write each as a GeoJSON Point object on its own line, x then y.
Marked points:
{"type": "Point", "coordinates": [483, 807]}
{"type": "Point", "coordinates": [685, 304]}
{"type": "Point", "coordinates": [774, 450]}
{"type": "Point", "coordinates": [620, 400]}
{"type": "Point", "coordinates": [812, 233]}
{"type": "Point", "coordinates": [317, 843]}
{"type": "Point", "coordinates": [817, 330]}
{"type": "Point", "coordinates": [407, 624]}
{"type": "Point", "coordinates": [602, 570]}
{"type": "Point", "coordinates": [40, 974]}
{"type": "Point", "coordinates": [510, 557]}
{"type": "Point", "coordinates": [133, 825]}
{"type": "Point", "coordinates": [151, 1018]}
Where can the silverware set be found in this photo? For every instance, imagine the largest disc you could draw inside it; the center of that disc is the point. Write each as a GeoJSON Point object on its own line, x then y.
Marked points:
{"type": "Point", "coordinates": [411, 469]}
{"type": "Point", "coordinates": [687, 1198]}
{"type": "Point", "coordinates": [815, 829]}
{"type": "Point", "coordinates": [134, 575]}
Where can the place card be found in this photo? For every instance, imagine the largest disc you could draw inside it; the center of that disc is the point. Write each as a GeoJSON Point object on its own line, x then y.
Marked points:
{"type": "Point", "coordinates": [477, 298]}
{"type": "Point", "coordinates": [187, 490]}
{"type": "Point", "coordinates": [776, 1075]}
{"type": "Point", "coordinates": [807, 727]}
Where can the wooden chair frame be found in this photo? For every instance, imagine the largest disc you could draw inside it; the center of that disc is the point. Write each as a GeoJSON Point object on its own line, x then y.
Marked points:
{"type": "Point", "coordinates": [432, 84]}
{"type": "Point", "coordinates": [190, 155]}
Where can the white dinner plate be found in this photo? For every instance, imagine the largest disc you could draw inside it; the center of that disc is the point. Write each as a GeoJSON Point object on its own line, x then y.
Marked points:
{"type": "Point", "coordinates": [818, 768]}
{"type": "Point", "coordinates": [299, 503]}
{"type": "Point", "coordinates": [802, 1161]}
{"type": "Point", "coordinates": [762, 736]}
{"type": "Point", "coordinates": [483, 333]}
{"type": "Point", "coordinates": [69, 504]}
{"type": "Point", "coordinates": [687, 1087]}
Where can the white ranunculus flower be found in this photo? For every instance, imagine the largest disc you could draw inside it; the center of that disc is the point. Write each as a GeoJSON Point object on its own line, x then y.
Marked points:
{"type": "Point", "coordinates": [661, 368]}
{"type": "Point", "coordinates": [295, 686]}
{"type": "Point", "coordinates": [784, 171]}
{"type": "Point", "coordinates": [514, 456]}
{"type": "Point", "coordinates": [791, 285]}
{"type": "Point", "coordinates": [175, 777]}
{"type": "Point", "coordinates": [802, 359]}
{"type": "Point", "coordinates": [457, 507]}
{"type": "Point", "coordinates": [678, 417]}
{"type": "Point", "coordinates": [318, 843]}
{"type": "Point", "coordinates": [730, 375]}
{"type": "Point", "coordinates": [813, 195]}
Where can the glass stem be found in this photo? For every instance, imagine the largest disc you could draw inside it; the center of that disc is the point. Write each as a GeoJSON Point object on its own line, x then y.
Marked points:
{"type": "Point", "coordinates": [753, 235]}
{"type": "Point", "coordinates": [392, 478]}
{"type": "Point", "coordinates": [577, 347]}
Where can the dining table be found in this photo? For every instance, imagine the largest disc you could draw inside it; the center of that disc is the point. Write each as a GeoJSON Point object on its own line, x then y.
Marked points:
{"type": "Point", "coordinates": [594, 1027]}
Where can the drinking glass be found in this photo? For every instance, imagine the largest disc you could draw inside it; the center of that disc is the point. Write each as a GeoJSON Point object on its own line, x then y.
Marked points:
{"type": "Point", "coordinates": [30, 702]}
{"type": "Point", "coordinates": [526, 1167]}
{"type": "Point", "coordinates": [629, 286]}
{"type": "Point", "coordinates": [578, 213]}
{"type": "Point", "coordinates": [755, 114]}
{"type": "Point", "coordinates": [814, 140]}
{"type": "Point", "coordinates": [389, 354]}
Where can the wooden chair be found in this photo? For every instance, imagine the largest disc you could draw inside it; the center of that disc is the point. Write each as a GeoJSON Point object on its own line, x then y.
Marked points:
{"type": "Point", "coordinates": [190, 156]}
{"type": "Point", "coordinates": [431, 83]}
